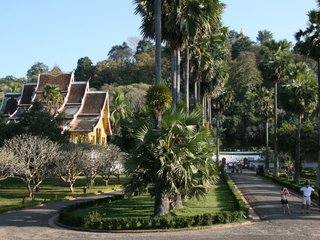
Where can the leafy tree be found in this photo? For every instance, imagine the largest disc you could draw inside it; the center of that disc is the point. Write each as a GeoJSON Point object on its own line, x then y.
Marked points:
{"type": "Point", "coordinates": [35, 70]}
{"type": "Point", "coordinates": [145, 46]}
{"type": "Point", "coordinates": [37, 121]}
{"type": "Point", "coordinates": [264, 36]}
{"type": "Point", "coordinates": [84, 70]}
{"type": "Point", "coordinates": [239, 43]}
{"type": "Point", "coordinates": [120, 53]}
{"type": "Point", "coordinates": [34, 158]}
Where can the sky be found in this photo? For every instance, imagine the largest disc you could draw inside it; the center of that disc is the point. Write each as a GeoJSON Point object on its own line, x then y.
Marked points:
{"type": "Point", "coordinates": [59, 32]}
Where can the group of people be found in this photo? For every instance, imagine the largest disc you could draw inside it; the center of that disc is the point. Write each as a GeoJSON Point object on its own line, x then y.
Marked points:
{"type": "Point", "coordinates": [306, 202]}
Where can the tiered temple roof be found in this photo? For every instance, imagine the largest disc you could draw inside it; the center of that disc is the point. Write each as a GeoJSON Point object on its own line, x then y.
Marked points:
{"type": "Point", "coordinates": [83, 111]}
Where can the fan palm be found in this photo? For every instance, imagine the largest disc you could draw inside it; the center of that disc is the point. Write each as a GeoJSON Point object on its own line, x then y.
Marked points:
{"type": "Point", "coordinates": [185, 157]}
{"type": "Point", "coordinates": [308, 44]}
{"type": "Point", "coordinates": [302, 98]}
{"type": "Point", "coordinates": [276, 64]}
{"type": "Point", "coordinates": [52, 98]}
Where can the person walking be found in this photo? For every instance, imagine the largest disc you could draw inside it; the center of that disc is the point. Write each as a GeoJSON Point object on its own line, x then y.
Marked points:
{"type": "Point", "coordinates": [284, 200]}
{"type": "Point", "coordinates": [307, 191]}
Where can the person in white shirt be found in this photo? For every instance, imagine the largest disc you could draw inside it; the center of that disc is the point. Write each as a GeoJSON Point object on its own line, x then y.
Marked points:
{"type": "Point", "coordinates": [307, 191]}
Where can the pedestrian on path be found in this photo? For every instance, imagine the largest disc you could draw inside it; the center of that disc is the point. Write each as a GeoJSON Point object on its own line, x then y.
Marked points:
{"type": "Point", "coordinates": [307, 191]}
{"type": "Point", "coordinates": [284, 200]}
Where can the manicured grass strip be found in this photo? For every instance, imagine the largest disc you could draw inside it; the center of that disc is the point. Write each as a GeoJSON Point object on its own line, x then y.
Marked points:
{"type": "Point", "coordinates": [13, 191]}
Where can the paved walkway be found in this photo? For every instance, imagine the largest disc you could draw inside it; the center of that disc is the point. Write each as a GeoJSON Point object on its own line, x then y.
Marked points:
{"type": "Point", "coordinates": [37, 222]}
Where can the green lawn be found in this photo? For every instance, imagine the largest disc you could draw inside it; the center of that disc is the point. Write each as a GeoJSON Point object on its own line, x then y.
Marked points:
{"type": "Point", "coordinates": [219, 199]}
{"type": "Point", "coordinates": [12, 191]}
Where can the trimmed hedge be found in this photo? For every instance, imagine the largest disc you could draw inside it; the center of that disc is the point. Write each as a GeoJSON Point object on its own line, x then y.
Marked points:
{"type": "Point", "coordinates": [241, 204]}
{"type": "Point", "coordinates": [99, 221]}
{"type": "Point", "coordinates": [290, 185]}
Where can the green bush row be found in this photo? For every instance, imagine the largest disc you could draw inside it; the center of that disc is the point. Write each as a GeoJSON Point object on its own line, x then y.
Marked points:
{"type": "Point", "coordinates": [290, 185]}
{"type": "Point", "coordinates": [241, 204]}
{"type": "Point", "coordinates": [99, 222]}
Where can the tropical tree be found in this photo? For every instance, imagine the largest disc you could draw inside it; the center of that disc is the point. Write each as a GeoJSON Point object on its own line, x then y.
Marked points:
{"type": "Point", "coordinates": [274, 69]}
{"type": "Point", "coordinates": [35, 70]}
{"type": "Point", "coordinates": [110, 160]}
{"type": "Point", "coordinates": [264, 36]}
{"type": "Point", "coordinates": [185, 157]}
{"type": "Point", "coordinates": [6, 162]}
{"type": "Point", "coordinates": [301, 98]}
{"type": "Point", "coordinates": [308, 44]}
{"type": "Point", "coordinates": [265, 106]}
{"type": "Point", "coordinates": [34, 159]}
{"type": "Point", "coordinates": [52, 98]}
{"type": "Point", "coordinates": [72, 163]}
{"type": "Point", "coordinates": [118, 113]}
{"type": "Point", "coordinates": [84, 70]}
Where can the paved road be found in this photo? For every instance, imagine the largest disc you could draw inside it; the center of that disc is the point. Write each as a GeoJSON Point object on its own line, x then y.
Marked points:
{"type": "Point", "coordinates": [37, 223]}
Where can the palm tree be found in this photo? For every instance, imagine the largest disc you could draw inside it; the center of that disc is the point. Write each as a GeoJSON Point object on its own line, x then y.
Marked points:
{"type": "Point", "coordinates": [118, 105]}
{"type": "Point", "coordinates": [185, 157]}
{"type": "Point", "coordinates": [266, 110]}
{"type": "Point", "coordinates": [52, 98]}
{"type": "Point", "coordinates": [181, 21]}
{"type": "Point", "coordinates": [302, 87]}
{"type": "Point", "coordinates": [308, 44]}
{"type": "Point", "coordinates": [277, 60]}
{"type": "Point", "coordinates": [157, 24]}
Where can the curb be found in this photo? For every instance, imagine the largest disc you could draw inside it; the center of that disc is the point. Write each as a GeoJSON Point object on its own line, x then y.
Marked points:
{"type": "Point", "coordinates": [54, 223]}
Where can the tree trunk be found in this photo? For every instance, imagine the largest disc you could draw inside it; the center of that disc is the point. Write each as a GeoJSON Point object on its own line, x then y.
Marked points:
{"type": "Point", "coordinates": [30, 193]}
{"type": "Point", "coordinates": [173, 77]}
{"type": "Point", "coordinates": [275, 158]}
{"type": "Point", "coordinates": [266, 167]}
{"type": "Point", "coordinates": [297, 158]}
{"type": "Point", "coordinates": [106, 179]}
{"type": "Point", "coordinates": [187, 78]}
{"type": "Point", "coordinates": [195, 93]}
{"type": "Point", "coordinates": [162, 203]}
{"type": "Point", "coordinates": [178, 60]}
{"type": "Point", "coordinates": [217, 139]}
{"type": "Point", "coordinates": [157, 23]}
{"type": "Point", "coordinates": [71, 187]}
{"type": "Point", "coordinates": [318, 116]}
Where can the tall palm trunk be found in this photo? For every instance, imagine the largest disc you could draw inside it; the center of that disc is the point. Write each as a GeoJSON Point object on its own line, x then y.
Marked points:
{"type": "Point", "coordinates": [318, 113]}
{"type": "Point", "coordinates": [187, 78]}
{"type": "Point", "coordinates": [275, 158]}
{"type": "Point", "coordinates": [218, 139]}
{"type": "Point", "coordinates": [173, 77]}
{"type": "Point", "coordinates": [266, 167]}
{"type": "Point", "coordinates": [297, 161]}
{"type": "Point", "coordinates": [178, 70]}
{"type": "Point", "coordinates": [157, 23]}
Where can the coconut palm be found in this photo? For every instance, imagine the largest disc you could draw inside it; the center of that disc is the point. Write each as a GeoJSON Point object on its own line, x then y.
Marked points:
{"type": "Point", "coordinates": [301, 98]}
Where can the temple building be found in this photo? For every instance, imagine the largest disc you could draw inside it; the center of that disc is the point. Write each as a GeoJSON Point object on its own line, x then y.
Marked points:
{"type": "Point", "coordinates": [85, 113]}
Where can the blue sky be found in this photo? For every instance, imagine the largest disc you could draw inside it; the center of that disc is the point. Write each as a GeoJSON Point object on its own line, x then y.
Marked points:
{"type": "Point", "coordinates": [59, 32]}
